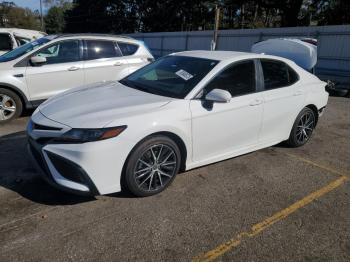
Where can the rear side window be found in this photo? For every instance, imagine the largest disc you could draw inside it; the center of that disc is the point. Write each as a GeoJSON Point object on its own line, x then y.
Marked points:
{"type": "Point", "coordinates": [128, 49]}
{"type": "Point", "coordinates": [238, 79]}
{"type": "Point", "coordinates": [97, 49]}
{"type": "Point", "coordinates": [277, 74]}
{"type": "Point", "coordinates": [5, 42]}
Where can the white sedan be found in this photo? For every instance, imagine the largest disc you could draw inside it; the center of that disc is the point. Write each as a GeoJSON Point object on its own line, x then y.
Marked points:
{"type": "Point", "coordinates": [183, 111]}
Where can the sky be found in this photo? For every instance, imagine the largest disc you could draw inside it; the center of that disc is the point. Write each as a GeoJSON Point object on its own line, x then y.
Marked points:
{"type": "Point", "coordinates": [32, 4]}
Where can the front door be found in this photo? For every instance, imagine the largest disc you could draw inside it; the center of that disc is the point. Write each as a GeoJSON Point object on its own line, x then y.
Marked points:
{"type": "Point", "coordinates": [63, 70]}
{"type": "Point", "coordinates": [224, 128]}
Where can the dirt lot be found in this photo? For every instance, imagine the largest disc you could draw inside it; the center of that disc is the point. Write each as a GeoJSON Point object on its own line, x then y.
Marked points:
{"type": "Point", "coordinates": [277, 204]}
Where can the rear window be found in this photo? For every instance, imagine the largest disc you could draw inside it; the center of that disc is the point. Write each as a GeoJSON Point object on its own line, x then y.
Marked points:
{"type": "Point", "coordinates": [97, 49]}
{"type": "Point", "coordinates": [5, 42]}
{"type": "Point", "coordinates": [128, 49]}
{"type": "Point", "coordinates": [277, 74]}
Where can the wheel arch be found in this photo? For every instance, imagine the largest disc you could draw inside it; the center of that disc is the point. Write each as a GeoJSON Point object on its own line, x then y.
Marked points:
{"type": "Point", "coordinates": [176, 138]}
{"type": "Point", "coordinates": [315, 110]}
{"type": "Point", "coordinates": [26, 104]}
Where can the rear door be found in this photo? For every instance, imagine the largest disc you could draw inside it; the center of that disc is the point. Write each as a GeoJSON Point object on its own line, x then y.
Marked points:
{"type": "Point", "coordinates": [103, 61]}
{"type": "Point", "coordinates": [63, 70]}
{"type": "Point", "coordinates": [134, 55]}
{"type": "Point", "coordinates": [283, 98]}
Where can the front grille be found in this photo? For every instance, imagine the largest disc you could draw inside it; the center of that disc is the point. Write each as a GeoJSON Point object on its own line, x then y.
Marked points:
{"type": "Point", "coordinates": [49, 128]}
{"type": "Point", "coordinates": [38, 157]}
{"type": "Point", "coordinates": [35, 149]}
{"type": "Point", "coordinates": [44, 140]}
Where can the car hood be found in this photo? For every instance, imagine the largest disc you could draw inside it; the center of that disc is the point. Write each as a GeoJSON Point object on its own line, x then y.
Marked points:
{"type": "Point", "coordinates": [94, 106]}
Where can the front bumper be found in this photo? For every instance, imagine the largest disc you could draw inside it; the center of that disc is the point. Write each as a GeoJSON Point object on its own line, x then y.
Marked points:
{"type": "Point", "coordinates": [78, 182]}
{"type": "Point", "coordinates": [89, 168]}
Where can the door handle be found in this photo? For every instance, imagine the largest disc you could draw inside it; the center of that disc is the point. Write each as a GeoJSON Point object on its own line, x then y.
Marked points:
{"type": "Point", "coordinates": [73, 68]}
{"type": "Point", "coordinates": [118, 63]}
{"type": "Point", "coordinates": [298, 93]}
{"type": "Point", "coordinates": [256, 102]}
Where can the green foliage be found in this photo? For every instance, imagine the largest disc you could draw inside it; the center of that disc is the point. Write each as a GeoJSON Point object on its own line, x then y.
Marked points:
{"type": "Point", "coordinates": [13, 16]}
{"type": "Point", "coordinates": [128, 16]}
{"type": "Point", "coordinates": [54, 20]}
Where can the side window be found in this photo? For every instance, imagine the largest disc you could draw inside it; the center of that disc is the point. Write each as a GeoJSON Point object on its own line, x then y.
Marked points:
{"type": "Point", "coordinates": [277, 74]}
{"type": "Point", "coordinates": [238, 79]}
{"type": "Point", "coordinates": [97, 49]}
{"type": "Point", "coordinates": [127, 49]}
{"type": "Point", "coordinates": [61, 52]}
{"type": "Point", "coordinates": [5, 42]}
{"type": "Point", "coordinates": [293, 77]}
{"type": "Point", "coordinates": [22, 40]}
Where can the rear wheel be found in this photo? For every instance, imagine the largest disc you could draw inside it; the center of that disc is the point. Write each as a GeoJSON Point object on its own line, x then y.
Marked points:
{"type": "Point", "coordinates": [303, 128]}
{"type": "Point", "coordinates": [152, 166]}
{"type": "Point", "coordinates": [10, 105]}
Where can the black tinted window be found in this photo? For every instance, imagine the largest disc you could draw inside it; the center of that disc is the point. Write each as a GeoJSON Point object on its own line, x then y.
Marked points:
{"type": "Point", "coordinates": [238, 79]}
{"type": "Point", "coordinates": [101, 49]}
{"type": "Point", "coordinates": [61, 52]}
{"type": "Point", "coordinates": [277, 74]}
{"type": "Point", "coordinates": [5, 42]}
{"type": "Point", "coordinates": [128, 49]}
{"type": "Point", "coordinates": [292, 76]}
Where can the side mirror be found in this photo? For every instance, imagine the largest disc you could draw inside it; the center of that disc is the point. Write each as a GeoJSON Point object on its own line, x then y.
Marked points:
{"type": "Point", "coordinates": [38, 60]}
{"type": "Point", "coordinates": [218, 95]}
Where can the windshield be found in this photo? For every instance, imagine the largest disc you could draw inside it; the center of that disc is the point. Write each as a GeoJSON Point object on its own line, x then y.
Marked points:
{"type": "Point", "coordinates": [172, 76]}
{"type": "Point", "coordinates": [26, 48]}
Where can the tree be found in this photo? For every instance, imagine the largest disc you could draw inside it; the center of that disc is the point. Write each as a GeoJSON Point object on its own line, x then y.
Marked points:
{"type": "Point", "coordinates": [331, 12]}
{"type": "Point", "coordinates": [54, 20]}
{"type": "Point", "coordinates": [14, 16]}
{"type": "Point", "coordinates": [127, 16]}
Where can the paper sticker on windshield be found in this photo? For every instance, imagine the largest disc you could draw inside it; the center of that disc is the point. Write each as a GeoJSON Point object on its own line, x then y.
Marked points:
{"type": "Point", "coordinates": [184, 75]}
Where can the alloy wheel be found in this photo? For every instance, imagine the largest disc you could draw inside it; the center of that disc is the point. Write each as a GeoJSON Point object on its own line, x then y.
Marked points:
{"type": "Point", "coordinates": [305, 127]}
{"type": "Point", "coordinates": [7, 107]}
{"type": "Point", "coordinates": [155, 168]}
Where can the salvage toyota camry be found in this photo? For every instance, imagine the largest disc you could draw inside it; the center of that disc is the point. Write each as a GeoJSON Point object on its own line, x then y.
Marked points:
{"type": "Point", "coordinates": [183, 111]}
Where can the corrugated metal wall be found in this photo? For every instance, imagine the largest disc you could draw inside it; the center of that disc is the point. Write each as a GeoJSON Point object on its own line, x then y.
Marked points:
{"type": "Point", "coordinates": [333, 44]}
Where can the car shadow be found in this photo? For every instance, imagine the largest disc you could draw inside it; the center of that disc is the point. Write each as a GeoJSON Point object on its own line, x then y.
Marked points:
{"type": "Point", "coordinates": [17, 173]}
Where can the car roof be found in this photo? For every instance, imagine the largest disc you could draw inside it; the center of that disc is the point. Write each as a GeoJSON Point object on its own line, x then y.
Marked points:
{"type": "Point", "coordinates": [214, 55]}
{"type": "Point", "coordinates": [92, 35]}
{"type": "Point", "coordinates": [228, 56]}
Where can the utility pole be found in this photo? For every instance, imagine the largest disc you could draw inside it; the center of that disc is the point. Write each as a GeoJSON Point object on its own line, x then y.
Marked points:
{"type": "Point", "coordinates": [41, 16]}
{"type": "Point", "coordinates": [216, 28]}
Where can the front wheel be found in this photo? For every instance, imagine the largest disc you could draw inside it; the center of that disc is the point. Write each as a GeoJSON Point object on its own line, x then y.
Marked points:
{"type": "Point", "coordinates": [10, 105]}
{"type": "Point", "coordinates": [152, 166]}
{"type": "Point", "coordinates": [303, 128]}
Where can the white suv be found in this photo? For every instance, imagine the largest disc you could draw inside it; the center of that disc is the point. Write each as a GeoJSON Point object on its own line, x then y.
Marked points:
{"type": "Point", "coordinates": [11, 38]}
{"type": "Point", "coordinates": [38, 70]}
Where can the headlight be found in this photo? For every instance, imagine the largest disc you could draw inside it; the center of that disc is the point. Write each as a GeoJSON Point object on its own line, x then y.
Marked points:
{"type": "Point", "coordinates": [82, 135]}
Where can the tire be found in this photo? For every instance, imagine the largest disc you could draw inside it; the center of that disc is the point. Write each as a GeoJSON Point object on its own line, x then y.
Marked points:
{"type": "Point", "coordinates": [10, 105]}
{"type": "Point", "coordinates": [148, 173]}
{"type": "Point", "coordinates": [303, 128]}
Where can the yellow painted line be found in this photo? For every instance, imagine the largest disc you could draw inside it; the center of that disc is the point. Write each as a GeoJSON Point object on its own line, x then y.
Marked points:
{"type": "Point", "coordinates": [259, 227]}
{"type": "Point", "coordinates": [328, 168]}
